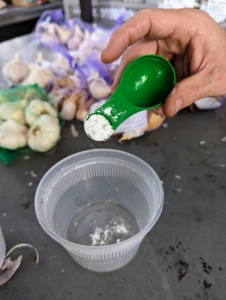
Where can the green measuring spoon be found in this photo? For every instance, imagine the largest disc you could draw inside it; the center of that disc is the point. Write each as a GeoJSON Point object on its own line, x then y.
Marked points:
{"type": "Point", "coordinates": [145, 84]}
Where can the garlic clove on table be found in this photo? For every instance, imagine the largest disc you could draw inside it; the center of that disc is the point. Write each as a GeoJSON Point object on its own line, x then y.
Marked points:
{"type": "Point", "coordinates": [16, 71]}
{"type": "Point", "coordinates": [44, 133]}
{"type": "Point", "coordinates": [13, 135]}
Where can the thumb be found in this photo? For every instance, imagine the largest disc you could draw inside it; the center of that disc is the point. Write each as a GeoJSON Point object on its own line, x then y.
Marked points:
{"type": "Point", "coordinates": [185, 93]}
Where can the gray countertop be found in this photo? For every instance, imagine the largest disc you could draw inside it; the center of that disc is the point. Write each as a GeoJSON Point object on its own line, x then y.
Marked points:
{"type": "Point", "coordinates": [182, 258]}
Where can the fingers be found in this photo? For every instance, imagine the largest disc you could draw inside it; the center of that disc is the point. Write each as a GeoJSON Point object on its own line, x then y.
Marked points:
{"type": "Point", "coordinates": [158, 111]}
{"type": "Point", "coordinates": [154, 23]}
{"type": "Point", "coordinates": [185, 92]}
{"type": "Point", "coordinates": [141, 48]}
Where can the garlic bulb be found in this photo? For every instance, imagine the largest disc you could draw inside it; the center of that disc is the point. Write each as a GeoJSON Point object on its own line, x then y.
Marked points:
{"type": "Point", "coordinates": [61, 67]}
{"type": "Point", "coordinates": [58, 96]}
{"type": "Point", "coordinates": [15, 71]}
{"type": "Point", "coordinates": [37, 108]}
{"type": "Point", "coordinates": [63, 61]}
{"type": "Point", "coordinates": [44, 133]}
{"type": "Point", "coordinates": [40, 76]}
{"type": "Point", "coordinates": [84, 107]}
{"type": "Point", "coordinates": [66, 83]}
{"type": "Point", "coordinates": [78, 32]}
{"type": "Point", "coordinates": [49, 34]}
{"type": "Point", "coordinates": [83, 113]}
{"type": "Point", "coordinates": [14, 111]}
{"type": "Point", "coordinates": [85, 43]}
{"type": "Point", "coordinates": [99, 89]}
{"type": "Point", "coordinates": [63, 33]}
{"type": "Point", "coordinates": [69, 107]}
{"type": "Point", "coordinates": [2, 4]}
{"type": "Point", "coordinates": [74, 42]}
{"type": "Point", "coordinates": [13, 135]}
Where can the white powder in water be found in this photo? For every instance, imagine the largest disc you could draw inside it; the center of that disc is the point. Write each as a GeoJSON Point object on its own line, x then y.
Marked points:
{"type": "Point", "coordinates": [103, 236]}
{"type": "Point", "coordinates": [98, 128]}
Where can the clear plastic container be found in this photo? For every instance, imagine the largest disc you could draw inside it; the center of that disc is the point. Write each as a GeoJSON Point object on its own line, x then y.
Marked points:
{"type": "Point", "coordinates": [2, 248]}
{"type": "Point", "coordinates": [99, 205]}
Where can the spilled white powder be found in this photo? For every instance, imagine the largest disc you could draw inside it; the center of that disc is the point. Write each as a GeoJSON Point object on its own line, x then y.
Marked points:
{"type": "Point", "coordinates": [106, 235]}
{"type": "Point", "coordinates": [98, 128]}
{"type": "Point", "coordinates": [107, 111]}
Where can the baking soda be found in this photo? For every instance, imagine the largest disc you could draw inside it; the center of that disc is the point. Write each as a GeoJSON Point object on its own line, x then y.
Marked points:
{"type": "Point", "coordinates": [107, 235]}
{"type": "Point", "coordinates": [98, 128]}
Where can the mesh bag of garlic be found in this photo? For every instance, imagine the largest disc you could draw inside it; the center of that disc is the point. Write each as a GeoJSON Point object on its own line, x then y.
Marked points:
{"type": "Point", "coordinates": [28, 122]}
{"type": "Point", "coordinates": [88, 81]}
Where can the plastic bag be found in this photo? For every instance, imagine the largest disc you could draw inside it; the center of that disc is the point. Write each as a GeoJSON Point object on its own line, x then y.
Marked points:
{"type": "Point", "coordinates": [29, 93]}
{"type": "Point", "coordinates": [209, 103]}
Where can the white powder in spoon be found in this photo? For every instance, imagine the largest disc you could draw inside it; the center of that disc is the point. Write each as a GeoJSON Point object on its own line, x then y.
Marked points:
{"type": "Point", "coordinates": [98, 128]}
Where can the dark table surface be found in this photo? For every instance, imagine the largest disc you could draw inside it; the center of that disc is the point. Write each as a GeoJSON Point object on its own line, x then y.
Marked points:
{"type": "Point", "coordinates": [182, 258]}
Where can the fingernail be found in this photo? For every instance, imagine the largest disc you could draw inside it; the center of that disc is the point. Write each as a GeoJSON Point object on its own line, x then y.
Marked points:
{"type": "Point", "coordinates": [178, 105]}
{"type": "Point", "coordinates": [102, 53]}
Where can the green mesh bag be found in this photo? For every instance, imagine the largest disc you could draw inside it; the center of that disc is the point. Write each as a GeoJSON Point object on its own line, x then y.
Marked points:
{"type": "Point", "coordinates": [29, 92]}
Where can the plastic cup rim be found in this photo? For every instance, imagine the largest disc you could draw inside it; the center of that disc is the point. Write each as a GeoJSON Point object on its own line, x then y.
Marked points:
{"type": "Point", "coordinates": [107, 248]}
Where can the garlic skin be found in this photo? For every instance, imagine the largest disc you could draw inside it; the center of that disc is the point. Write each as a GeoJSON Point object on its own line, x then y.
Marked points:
{"type": "Point", "coordinates": [14, 111]}
{"type": "Point", "coordinates": [13, 135]}
{"type": "Point", "coordinates": [40, 76]}
{"type": "Point", "coordinates": [37, 108]}
{"type": "Point", "coordinates": [15, 71]}
{"type": "Point", "coordinates": [44, 134]}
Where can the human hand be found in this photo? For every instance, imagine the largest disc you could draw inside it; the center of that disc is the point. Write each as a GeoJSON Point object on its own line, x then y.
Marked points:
{"type": "Point", "coordinates": [189, 38]}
